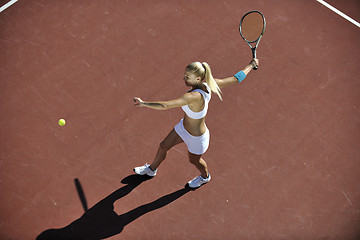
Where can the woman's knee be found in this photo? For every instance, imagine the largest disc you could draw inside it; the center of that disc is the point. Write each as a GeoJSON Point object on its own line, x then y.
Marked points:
{"type": "Point", "coordinates": [194, 159]}
{"type": "Point", "coordinates": [164, 146]}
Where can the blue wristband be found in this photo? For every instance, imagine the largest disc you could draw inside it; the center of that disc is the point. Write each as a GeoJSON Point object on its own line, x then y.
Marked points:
{"type": "Point", "coordinates": [240, 76]}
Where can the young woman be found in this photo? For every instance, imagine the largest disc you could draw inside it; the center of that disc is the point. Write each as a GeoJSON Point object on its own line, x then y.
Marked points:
{"type": "Point", "coordinates": [191, 129]}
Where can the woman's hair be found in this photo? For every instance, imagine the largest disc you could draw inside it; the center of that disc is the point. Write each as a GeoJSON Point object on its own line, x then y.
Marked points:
{"type": "Point", "coordinates": [203, 71]}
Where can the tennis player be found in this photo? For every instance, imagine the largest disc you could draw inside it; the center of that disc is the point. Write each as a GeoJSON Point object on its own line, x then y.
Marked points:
{"type": "Point", "coordinates": [191, 129]}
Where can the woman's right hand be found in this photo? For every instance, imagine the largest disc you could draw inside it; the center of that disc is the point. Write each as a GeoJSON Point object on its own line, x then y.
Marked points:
{"type": "Point", "coordinates": [255, 62]}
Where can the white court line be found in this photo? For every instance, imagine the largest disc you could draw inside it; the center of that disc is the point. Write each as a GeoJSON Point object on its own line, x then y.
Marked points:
{"type": "Point", "coordinates": [7, 5]}
{"type": "Point", "coordinates": [338, 12]}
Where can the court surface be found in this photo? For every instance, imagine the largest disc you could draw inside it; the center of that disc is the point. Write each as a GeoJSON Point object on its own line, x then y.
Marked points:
{"type": "Point", "coordinates": [284, 152]}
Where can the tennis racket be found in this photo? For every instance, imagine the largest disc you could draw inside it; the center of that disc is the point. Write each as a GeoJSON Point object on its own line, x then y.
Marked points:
{"type": "Point", "coordinates": [252, 28]}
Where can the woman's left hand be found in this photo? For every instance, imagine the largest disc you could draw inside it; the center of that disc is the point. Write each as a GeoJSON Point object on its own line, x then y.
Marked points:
{"type": "Point", "coordinates": [138, 101]}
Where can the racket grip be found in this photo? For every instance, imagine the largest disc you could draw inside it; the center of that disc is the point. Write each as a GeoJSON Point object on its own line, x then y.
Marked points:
{"type": "Point", "coordinates": [254, 56]}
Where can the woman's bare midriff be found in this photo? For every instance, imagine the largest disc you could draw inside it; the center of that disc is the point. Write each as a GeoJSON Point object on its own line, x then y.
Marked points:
{"type": "Point", "coordinates": [195, 127]}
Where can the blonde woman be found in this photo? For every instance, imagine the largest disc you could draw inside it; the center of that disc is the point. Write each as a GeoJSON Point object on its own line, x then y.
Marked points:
{"type": "Point", "coordinates": [191, 129]}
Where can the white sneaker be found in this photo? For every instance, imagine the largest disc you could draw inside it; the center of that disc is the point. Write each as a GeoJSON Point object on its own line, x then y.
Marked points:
{"type": "Point", "coordinates": [198, 181]}
{"type": "Point", "coordinates": [145, 170]}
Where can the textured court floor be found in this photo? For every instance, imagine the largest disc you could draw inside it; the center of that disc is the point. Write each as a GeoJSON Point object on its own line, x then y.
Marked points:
{"type": "Point", "coordinates": [284, 152]}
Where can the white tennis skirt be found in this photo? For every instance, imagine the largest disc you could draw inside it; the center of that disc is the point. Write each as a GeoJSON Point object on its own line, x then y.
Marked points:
{"type": "Point", "coordinates": [196, 144]}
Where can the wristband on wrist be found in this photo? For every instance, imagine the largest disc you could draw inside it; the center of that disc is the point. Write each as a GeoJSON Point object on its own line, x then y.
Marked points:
{"type": "Point", "coordinates": [240, 76]}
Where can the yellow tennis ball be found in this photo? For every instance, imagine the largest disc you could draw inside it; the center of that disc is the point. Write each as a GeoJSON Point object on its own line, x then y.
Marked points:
{"type": "Point", "coordinates": [62, 122]}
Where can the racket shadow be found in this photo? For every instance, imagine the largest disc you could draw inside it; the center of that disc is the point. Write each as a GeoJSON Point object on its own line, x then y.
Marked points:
{"type": "Point", "coordinates": [81, 194]}
{"type": "Point", "coordinates": [101, 221]}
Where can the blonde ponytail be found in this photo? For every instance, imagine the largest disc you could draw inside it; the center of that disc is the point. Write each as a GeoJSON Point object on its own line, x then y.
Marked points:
{"type": "Point", "coordinates": [211, 81]}
{"type": "Point", "coordinates": [203, 71]}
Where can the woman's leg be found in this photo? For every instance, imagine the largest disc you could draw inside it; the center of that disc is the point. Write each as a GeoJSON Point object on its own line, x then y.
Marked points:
{"type": "Point", "coordinates": [200, 164]}
{"type": "Point", "coordinates": [171, 140]}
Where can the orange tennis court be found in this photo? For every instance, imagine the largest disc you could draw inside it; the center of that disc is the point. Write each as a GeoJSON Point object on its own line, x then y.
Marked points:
{"type": "Point", "coordinates": [284, 150]}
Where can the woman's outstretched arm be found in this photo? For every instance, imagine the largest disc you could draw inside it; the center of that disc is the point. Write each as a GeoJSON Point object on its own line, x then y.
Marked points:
{"type": "Point", "coordinates": [186, 99]}
{"type": "Point", "coordinates": [238, 77]}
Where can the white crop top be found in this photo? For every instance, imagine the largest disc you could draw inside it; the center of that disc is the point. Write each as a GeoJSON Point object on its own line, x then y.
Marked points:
{"type": "Point", "coordinates": [198, 115]}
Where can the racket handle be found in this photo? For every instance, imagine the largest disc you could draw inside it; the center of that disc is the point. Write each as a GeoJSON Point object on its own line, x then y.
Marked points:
{"type": "Point", "coordinates": [254, 56]}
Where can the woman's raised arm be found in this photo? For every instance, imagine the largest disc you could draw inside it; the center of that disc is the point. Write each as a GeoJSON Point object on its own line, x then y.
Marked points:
{"type": "Point", "coordinates": [238, 77]}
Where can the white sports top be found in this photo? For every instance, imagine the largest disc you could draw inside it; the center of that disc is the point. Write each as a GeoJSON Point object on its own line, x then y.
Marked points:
{"type": "Point", "coordinates": [198, 115]}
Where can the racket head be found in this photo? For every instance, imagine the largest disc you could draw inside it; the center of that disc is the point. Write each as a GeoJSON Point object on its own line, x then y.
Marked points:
{"type": "Point", "coordinates": [252, 26]}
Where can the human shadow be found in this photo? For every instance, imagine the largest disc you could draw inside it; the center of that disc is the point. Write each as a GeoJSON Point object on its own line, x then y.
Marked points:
{"type": "Point", "coordinates": [101, 221]}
